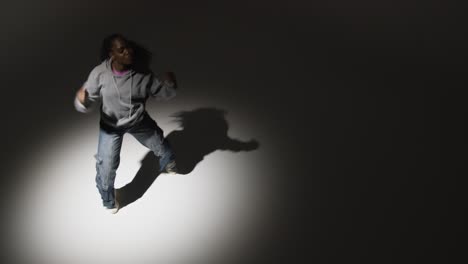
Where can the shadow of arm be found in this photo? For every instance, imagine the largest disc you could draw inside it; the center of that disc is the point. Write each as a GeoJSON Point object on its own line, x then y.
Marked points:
{"type": "Point", "coordinates": [236, 145]}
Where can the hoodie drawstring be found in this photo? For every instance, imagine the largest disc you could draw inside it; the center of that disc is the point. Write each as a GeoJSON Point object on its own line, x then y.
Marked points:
{"type": "Point", "coordinates": [131, 87]}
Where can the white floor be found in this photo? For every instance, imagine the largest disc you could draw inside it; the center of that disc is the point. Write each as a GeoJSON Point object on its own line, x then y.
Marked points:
{"type": "Point", "coordinates": [58, 215]}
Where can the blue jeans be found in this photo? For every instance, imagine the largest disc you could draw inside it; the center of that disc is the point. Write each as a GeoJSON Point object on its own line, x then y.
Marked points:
{"type": "Point", "coordinates": [146, 132]}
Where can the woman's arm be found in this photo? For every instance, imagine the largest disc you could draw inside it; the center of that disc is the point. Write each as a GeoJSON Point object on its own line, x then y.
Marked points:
{"type": "Point", "coordinates": [80, 100]}
{"type": "Point", "coordinates": [89, 93]}
{"type": "Point", "coordinates": [164, 87]}
{"type": "Point", "coordinates": [82, 95]}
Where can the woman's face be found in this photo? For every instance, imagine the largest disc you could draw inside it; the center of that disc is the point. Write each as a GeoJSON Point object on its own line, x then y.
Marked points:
{"type": "Point", "coordinates": [121, 52]}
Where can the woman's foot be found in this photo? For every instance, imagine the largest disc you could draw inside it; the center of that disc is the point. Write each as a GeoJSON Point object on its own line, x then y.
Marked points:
{"type": "Point", "coordinates": [114, 209]}
{"type": "Point", "coordinates": [171, 168]}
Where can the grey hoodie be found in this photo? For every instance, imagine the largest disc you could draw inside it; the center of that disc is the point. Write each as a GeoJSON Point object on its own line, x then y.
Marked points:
{"type": "Point", "coordinates": [123, 97]}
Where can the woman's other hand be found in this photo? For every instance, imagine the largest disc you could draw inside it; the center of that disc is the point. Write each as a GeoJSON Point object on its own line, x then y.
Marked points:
{"type": "Point", "coordinates": [170, 77]}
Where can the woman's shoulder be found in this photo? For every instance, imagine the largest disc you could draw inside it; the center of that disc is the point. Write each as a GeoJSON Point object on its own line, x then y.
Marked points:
{"type": "Point", "coordinates": [100, 68]}
{"type": "Point", "coordinates": [97, 72]}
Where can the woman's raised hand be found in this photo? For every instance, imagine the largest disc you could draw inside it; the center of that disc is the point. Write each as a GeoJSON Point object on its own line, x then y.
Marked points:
{"type": "Point", "coordinates": [170, 77]}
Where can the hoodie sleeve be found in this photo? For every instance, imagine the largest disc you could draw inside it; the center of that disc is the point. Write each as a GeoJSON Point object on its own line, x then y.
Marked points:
{"type": "Point", "coordinates": [161, 90]}
{"type": "Point", "coordinates": [93, 87]}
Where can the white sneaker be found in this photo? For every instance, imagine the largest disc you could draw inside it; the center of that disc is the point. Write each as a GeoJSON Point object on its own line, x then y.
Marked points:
{"type": "Point", "coordinates": [171, 168]}
{"type": "Point", "coordinates": [114, 209]}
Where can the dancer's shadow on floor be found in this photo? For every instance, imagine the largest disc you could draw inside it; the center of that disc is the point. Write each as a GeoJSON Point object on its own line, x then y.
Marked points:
{"type": "Point", "coordinates": [204, 131]}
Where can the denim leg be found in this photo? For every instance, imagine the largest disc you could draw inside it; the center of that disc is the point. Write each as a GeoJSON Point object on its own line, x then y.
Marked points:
{"type": "Point", "coordinates": [107, 162]}
{"type": "Point", "coordinates": [150, 135]}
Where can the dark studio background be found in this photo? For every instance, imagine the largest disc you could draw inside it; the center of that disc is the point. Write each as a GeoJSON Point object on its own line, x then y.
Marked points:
{"type": "Point", "coordinates": [363, 99]}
